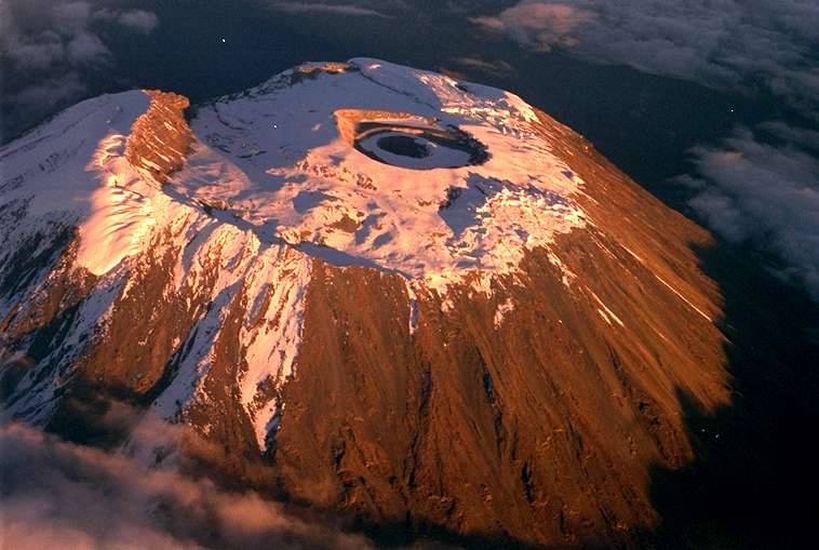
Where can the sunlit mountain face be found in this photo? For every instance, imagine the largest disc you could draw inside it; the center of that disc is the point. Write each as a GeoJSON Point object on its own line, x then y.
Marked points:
{"type": "Point", "coordinates": [347, 273]}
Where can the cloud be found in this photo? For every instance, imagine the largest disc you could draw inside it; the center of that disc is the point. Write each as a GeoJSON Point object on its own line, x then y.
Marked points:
{"type": "Point", "coordinates": [720, 43]}
{"type": "Point", "coordinates": [539, 25]}
{"type": "Point", "coordinates": [49, 49]}
{"type": "Point", "coordinates": [336, 9]}
{"type": "Point", "coordinates": [84, 48]}
{"type": "Point", "coordinates": [803, 138]}
{"type": "Point", "coordinates": [59, 495]}
{"type": "Point", "coordinates": [140, 21]}
{"type": "Point", "coordinates": [37, 34]}
{"type": "Point", "coordinates": [767, 195]}
{"type": "Point", "coordinates": [494, 67]}
{"type": "Point", "coordinates": [58, 89]}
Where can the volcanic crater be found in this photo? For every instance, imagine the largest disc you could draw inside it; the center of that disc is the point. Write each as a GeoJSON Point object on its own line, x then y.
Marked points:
{"type": "Point", "coordinates": [410, 141]}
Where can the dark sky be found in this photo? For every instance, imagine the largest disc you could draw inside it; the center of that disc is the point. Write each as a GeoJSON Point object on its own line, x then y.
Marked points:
{"type": "Point", "coordinates": [711, 105]}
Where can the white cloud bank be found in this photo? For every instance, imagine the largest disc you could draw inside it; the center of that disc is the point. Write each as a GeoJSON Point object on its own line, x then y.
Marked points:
{"type": "Point", "coordinates": [766, 195]}
{"type": "Point", "coordinates": [59, 495]}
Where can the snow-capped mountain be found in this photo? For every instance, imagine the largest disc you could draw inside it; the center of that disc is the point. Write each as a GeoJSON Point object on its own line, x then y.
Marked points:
{"type": "Point", "coordinates": [415, 299]}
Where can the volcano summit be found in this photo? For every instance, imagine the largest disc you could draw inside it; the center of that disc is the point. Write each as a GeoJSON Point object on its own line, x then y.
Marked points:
{"type": "Point", "coordinates": [381, 291]}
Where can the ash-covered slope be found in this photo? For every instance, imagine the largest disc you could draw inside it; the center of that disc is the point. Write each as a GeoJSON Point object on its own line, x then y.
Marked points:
{"type": "Point", "coordinates": [391, 293]}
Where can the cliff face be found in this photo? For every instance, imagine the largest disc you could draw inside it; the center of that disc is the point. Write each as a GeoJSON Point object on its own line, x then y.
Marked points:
{"type": "Point", "coordinates": [491, 349]}
{"type": "Point", "coordinates": [160, 139]}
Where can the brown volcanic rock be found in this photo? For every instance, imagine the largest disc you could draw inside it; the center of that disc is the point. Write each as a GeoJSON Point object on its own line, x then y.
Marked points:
{"type": "Point", "coordinates": [544, 427]}
{"type": "Point", "coordinates": [160, 139]}
{"type": "Point", "coordinates": [532, 406]}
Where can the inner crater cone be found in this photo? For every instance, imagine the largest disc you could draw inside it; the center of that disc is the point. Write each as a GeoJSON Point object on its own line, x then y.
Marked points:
{"type": "Point", "coordinates": [405, 146]}
{"type": "Point", "coordinates": [424, 145]}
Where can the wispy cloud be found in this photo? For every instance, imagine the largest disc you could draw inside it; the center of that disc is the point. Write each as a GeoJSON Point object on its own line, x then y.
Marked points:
{"type": "Point", "coordinates": [335, 9]}
{"type": "Point", "coordinates": [135, 20]}
{"type": "Point", "coordinates": [496, 67]}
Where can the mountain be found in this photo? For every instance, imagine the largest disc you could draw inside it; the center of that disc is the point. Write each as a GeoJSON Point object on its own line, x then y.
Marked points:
{"type": "Point", "coordinates": [378, 290]}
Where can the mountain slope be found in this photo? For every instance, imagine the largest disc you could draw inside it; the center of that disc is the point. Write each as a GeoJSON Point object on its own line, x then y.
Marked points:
{"type": "Point", "coordinates": [378, 289]}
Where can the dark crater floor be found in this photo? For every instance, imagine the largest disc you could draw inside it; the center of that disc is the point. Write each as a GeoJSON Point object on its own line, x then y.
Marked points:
{"type": "Point", "coordinates": [419, 147]}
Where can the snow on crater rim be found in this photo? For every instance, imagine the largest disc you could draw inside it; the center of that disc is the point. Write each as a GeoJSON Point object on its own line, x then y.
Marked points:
{"type": "Point", "coordinates": [295, 160]}
{"type": "Point", "coordinates": [463, 185]}
{"type": "Point", "coordinates": [363, 163]}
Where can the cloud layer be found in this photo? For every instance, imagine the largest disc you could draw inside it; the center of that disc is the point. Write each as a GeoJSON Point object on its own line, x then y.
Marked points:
{"type": "Point", "coordinates": [726, 43]}
{"type": "Point", "coordinates": [754, 192]}
{"type": "Point", "coordinates": [47, 50]}
{"type": "Point", "coordinates": [59, 495]}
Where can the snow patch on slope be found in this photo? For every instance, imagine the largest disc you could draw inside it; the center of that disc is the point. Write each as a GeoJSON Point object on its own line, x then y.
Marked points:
{"type": "Point", "coordinates": [121, 213]}
{"type": "Point", "coordinates": [271, 333]}
{"type": "Point", "coordinates": [48, 170]}
{"type": "Point", "coordinates": [502, 311]}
